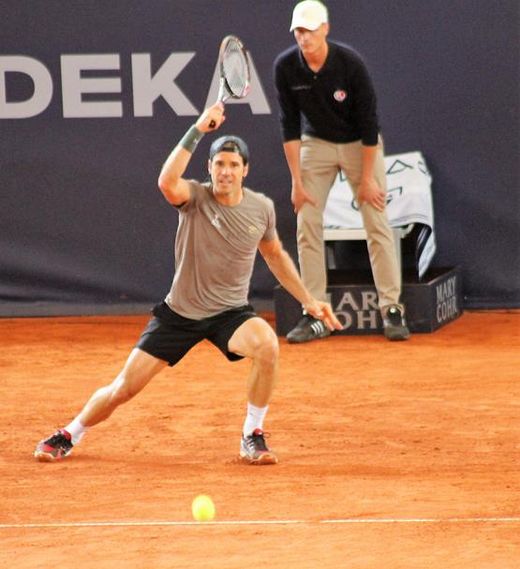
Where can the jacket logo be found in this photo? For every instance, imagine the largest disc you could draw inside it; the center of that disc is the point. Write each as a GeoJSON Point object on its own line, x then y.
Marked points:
{"type": "Point", "coordinates": [340, 95]}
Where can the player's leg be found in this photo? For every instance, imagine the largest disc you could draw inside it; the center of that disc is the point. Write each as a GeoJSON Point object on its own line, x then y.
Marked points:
{"type": "Point", "coordinates": [319, 168]}
{"type": "Point", "coordinates": [256, 340]}
{"type": "Point", "coordinates": [137, 372]}
{"type": "Point", "coordinates": [139, 369]}
{"type": "Point", "coordinates": [165, 340]}
{"type": "Point", "coordinates": [380, 242]}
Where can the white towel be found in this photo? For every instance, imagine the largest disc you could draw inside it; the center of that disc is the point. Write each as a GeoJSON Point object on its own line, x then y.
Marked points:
{"type": "Point", "coordinates": [409, 201]}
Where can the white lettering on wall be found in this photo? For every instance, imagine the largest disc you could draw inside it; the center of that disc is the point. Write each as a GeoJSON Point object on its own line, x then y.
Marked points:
{"type": "Point", "coordinates": [347, 300]}
{"type": "Point", "coordinates": [358, 309]}
{"type": "Point", "coordinates": [42, 81]}
{"type": "Point", "coordinates": [148, 88]}
{"type": "Point", "coordinates": [447, 306]}
{"type": "Point", "coordinates": [369, 300]}
{"type": "Point", "coordinates": [82, 89]}
{"type": "Point", "coordinates": [73, 86]}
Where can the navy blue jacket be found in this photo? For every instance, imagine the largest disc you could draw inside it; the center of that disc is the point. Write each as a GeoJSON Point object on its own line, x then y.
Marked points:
{"type": "Point", "coordinates": [337, 104]}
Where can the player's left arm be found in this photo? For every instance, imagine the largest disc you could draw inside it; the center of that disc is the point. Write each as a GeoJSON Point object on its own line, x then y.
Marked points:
{"type": "Point", "coordinates": [284, 269]}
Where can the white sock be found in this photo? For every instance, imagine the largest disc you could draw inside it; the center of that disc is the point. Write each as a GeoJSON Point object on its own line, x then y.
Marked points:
{"type": "Point", "coordinates": [254, 418]}
{"type": "Point", "coordinates": [76, 430]}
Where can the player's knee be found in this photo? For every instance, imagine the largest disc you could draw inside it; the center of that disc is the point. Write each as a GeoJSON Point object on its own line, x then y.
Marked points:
{"type": "Point", "coordinates": [267, 349]}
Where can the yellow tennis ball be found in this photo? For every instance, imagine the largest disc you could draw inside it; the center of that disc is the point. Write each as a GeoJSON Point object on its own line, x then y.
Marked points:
{"type": "Point", "coordinates": [203, 508]}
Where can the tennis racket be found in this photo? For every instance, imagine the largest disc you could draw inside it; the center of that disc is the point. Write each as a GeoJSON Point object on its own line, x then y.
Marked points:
{"type": "Point", "coordinates": [235, 75]}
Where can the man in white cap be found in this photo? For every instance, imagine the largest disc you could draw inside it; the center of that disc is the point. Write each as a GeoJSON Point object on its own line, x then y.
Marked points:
{"type": "Point", "coordinates": [328, 118]}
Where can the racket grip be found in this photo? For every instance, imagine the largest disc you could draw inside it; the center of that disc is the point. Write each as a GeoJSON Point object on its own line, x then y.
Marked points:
{"type": "Point", "coordinates": [220, 99]}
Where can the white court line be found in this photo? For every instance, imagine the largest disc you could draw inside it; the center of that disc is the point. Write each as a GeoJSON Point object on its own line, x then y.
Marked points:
{"type": "Point", "coordinates": [151, 523]}
{"type": "Point", "coordinates": [514, 520]}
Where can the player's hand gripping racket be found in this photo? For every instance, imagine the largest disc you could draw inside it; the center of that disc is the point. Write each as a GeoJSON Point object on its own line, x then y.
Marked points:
{"type": "Point", "coordinates": [234, 71]}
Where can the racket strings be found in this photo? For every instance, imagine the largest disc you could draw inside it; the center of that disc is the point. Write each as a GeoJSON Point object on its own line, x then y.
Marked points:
{"type": "Point", "coordinates": [236, 69]}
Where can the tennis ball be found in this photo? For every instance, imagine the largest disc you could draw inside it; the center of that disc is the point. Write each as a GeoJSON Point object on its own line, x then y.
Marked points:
{"type": "Point", "coordinates": [203, 508]}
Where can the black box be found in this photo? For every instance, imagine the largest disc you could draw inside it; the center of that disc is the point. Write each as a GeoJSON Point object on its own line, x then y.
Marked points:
{"type": "Point", "coordinates": [430, 303]}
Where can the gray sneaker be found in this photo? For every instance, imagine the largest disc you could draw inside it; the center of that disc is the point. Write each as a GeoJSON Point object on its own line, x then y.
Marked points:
{"type": "Point", "coordinates": [254, 450]}
{"type": "Point", "coordinates": [394, 323]}
{"type": "Point", "coordinates": [307, 329]}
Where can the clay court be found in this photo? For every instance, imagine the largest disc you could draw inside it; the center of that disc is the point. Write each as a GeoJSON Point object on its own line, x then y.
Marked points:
{"type": "Point", "coordinates": [392, 455]}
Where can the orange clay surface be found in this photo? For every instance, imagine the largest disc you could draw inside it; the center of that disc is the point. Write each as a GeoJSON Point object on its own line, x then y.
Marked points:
{"type": "Point", "coordinates": [392, 455]}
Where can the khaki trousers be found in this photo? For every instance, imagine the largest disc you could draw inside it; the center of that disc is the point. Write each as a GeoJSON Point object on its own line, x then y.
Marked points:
{"type": "Point", "coordinates": [320, 162]}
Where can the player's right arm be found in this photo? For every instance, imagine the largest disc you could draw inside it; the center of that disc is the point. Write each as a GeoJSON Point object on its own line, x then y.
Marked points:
{"type": "Point", "coordinates": [284, 269]}
{"type": "Point", "coordinates": [174, 187]}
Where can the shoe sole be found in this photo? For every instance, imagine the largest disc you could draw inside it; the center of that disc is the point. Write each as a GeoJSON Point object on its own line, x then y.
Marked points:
{"type": "Point", "coordinates": [42, 456]}
{"type": "Point", "coordinates": [304, 340]}
{"type": "Point", "coordinates": [398, 337]}
{"type": "Point", "coordinates": [264, 459]}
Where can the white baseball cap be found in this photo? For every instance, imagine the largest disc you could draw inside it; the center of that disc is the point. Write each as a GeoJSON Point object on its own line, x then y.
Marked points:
{"type": "Point", "coordinates": [309, 14]}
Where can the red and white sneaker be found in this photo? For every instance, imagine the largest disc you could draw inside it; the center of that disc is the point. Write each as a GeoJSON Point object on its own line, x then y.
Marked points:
{"type": "Point", "coordinates": [56, 447]}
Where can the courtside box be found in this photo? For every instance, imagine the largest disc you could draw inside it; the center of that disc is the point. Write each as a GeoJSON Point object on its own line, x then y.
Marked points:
{"type": "Point", "coordinates": [431, 303]}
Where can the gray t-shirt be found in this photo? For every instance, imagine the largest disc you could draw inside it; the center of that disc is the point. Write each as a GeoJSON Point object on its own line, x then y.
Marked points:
{"type": "Point", "coordinates": [215, 250]}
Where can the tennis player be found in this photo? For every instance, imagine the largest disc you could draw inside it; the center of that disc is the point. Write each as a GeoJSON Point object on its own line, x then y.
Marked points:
{"type": "Point", "coordinates": [222, 224]}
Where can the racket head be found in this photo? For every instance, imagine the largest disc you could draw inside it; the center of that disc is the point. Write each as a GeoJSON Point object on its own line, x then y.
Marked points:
{"type": "Point", "coordinates": [235, 73]}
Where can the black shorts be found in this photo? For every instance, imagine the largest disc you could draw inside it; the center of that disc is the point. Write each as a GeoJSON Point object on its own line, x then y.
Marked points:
{"type": "Point", "coordinates": [169, 336]}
